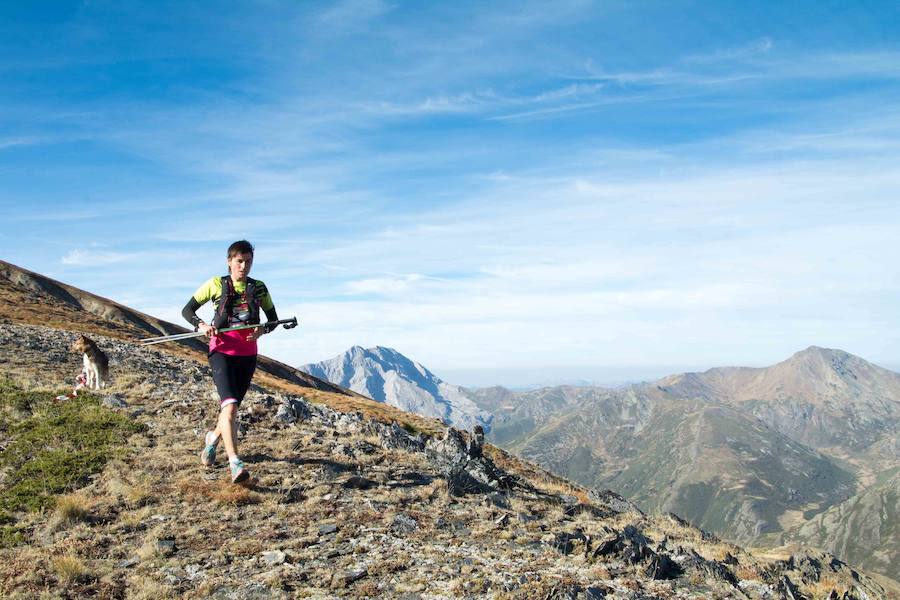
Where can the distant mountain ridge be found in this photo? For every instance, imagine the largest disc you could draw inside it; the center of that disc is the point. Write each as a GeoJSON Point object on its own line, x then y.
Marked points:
{"type": "Point", "coordinates": [821, 397]}
{"type": "Point", "coordinates": [751, 453]}
{"type": "Point", "coordinates": [388, 376]}
{"type": "Point", "coordinates": [754, 454]}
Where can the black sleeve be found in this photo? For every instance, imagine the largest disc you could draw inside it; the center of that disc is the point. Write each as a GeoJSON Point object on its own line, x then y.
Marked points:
{"type": "Point", "coordinates": [271, 315]}
{"type": "Point", "coordinates": [189, 312]}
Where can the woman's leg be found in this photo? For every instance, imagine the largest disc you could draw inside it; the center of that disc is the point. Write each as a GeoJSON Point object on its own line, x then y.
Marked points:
{"type": "Point", "coordinates": [232, 376]}
{"type": "Point", "coordinates": [242, 369]}
{"type": "Point", "coordinates": [228, 430]}
{"type": "Point", "coordinates": [225, 377]}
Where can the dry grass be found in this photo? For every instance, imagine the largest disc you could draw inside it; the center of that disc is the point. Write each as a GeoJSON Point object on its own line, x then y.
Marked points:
{"type": "Point", "coordinates": [367, 589]}
{"type": "Point", "coordinates": [132, 519]}
{"type": "Point", "coordinates": [69, 569]}
{"type": "Point", "coordinates": [138, 494]}
{"type": "Point", "coordinates": [667, 527]}
{"type": "Point", "coordinates": [747, 572]}
{"type": "Point", "coordinates": [222, 492]}
{"type": "Point", "coordinates": [824, 587]}
{"type": "Point", "coordinates": [71, 508]}
{"type": "Point", "coordinates": [134, 495]}
{"type": "Point", "coordinates": [148, 549]}
{"type": "Point", "coordinates": [436, 490]}
{"type": "Point", "coordinates": [551, 484]}
{"type": "Point", "coordinates": [599, 572]}
{"type": "Point", "coordinates": [144, 588]}
{"type": "Point", "coordinates": [247, 547]}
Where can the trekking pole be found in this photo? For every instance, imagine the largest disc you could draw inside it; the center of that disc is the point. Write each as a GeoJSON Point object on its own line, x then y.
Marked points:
{"type": "Point", "coordinates": [287, 323]}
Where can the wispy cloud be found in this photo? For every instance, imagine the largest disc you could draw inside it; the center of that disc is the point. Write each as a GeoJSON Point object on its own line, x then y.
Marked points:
{"type": "Point", "coordinates": [753, 50]}
{"type": "Point", "coordinates": [96, 258]}
{"type": "Point", "coordinates": [348, 15]}
{"type": "Point", "coordinates": [11, 142]}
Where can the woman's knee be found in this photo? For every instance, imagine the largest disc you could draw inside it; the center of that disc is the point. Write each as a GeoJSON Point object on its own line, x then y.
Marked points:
{"type": "Point", "coordinates": [229, 411]}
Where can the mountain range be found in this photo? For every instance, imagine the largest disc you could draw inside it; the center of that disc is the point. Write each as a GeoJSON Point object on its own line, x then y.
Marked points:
{"type": "Point", "coordinates": [803, 451]}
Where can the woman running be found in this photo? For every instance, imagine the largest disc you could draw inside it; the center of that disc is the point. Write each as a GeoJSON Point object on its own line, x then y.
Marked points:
{"type": "Point", "coordinates": [232, 354]}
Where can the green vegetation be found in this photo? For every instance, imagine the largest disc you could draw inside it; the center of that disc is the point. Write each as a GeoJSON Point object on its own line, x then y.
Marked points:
{"type": "Point", "coordinates": [886, 475]}
{"type": "Point", "coordinates": [51, 447]}
{"type": "Point", "coordinates": [583, 465]}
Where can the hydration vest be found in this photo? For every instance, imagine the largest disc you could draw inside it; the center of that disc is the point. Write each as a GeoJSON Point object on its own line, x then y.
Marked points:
{"type": "Point", "coordinates": [225, 307]}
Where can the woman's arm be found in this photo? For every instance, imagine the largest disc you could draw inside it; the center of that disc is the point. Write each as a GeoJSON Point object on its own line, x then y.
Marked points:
{"type": "Point", "coordinates": [189, 312]}
{"type": "Point", "coordinates": [271, 315]}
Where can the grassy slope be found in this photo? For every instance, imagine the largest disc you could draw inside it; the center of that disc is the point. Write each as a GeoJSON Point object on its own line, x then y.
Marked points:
{"type": "Point", "coordinates": [50, 448]}
{"type": "Point", "coordinates": [864, 529]}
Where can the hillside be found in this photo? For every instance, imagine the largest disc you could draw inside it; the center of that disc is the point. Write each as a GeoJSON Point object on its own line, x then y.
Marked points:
{"type": "Point", "coordinates": [33, 298]}
{"type": "Point", "coordinates": [749, 453]}
{"type": "Point", "coordinates": [346, 503]}
{"type": "Point", "coordinates": [713, 464]}
{"type": "Point", "coordinates": [728, 473]}
{"type": "Point", "coordinates": [826, 399]}
{"type": "Point", "coordinates": [865, 528]}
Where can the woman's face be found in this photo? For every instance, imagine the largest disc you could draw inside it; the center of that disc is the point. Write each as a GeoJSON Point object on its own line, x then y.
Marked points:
{"type": "Point", "coordinates": [239, 265]}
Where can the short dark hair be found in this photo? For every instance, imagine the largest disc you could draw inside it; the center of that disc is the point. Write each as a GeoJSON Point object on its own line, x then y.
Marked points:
{"type": "Point", "coordinates": [240, 247]}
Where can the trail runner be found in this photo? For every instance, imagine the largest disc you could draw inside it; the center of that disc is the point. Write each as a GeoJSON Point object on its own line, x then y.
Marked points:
{"type": "Point", "coordinates": [232, 354]}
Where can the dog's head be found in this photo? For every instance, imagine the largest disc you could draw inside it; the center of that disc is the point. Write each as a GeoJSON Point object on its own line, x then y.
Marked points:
{"type": "Point", "coordinates": [81, 344]}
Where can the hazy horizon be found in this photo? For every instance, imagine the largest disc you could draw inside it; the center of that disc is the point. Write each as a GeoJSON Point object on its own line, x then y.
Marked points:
{"type": "Point", "coordinates": [603, 376]}
{"type": "Point", "coordinates": [550, 376]}
{"type": "Point", "coordinates": [596, 376]}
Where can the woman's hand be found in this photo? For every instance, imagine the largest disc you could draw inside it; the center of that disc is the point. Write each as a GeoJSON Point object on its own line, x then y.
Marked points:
{"type": "Point", "coordinates": [255, 334]}
{"type": "Point", "coordinates": [208, 330]}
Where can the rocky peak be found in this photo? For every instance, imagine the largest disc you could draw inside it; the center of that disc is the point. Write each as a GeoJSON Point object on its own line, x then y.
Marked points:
{"type": "Point", "coordinates": [818, 360]}
{"type": "Point", "coordinates": [386, 375]}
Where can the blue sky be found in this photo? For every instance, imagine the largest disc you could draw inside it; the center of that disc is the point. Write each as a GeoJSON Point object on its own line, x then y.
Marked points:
{"type": "Point", "coordinates": [507, 192]}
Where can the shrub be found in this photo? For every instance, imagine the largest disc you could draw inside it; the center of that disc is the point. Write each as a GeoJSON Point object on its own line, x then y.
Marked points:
{"type": "Point", "coordinates": [54, 447]}
{"type": "Point", "coordinates": [69, 569]}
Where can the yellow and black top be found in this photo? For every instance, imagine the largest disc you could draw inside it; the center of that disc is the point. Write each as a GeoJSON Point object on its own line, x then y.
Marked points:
{"type": "Point", "coordinates": [234, 306]}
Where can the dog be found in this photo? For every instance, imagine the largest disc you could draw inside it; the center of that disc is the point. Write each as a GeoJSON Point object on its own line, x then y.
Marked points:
{"type": "Point", "coordinates": [96, 363]}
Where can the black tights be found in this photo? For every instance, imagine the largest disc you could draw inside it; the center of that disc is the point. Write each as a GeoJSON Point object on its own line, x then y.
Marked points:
{"type": "Point", "coordinates": [232, 375]}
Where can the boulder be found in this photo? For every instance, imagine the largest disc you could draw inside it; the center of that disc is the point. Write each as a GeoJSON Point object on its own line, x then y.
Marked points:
{"type": "Point", "coordinates": [464, 467]}
{"type": "Point", "coordinates": [293, 410]}
{"type": "Point", "coordinates": [404, 524]}
{"type": "Point", "coordinates": [663, 567]}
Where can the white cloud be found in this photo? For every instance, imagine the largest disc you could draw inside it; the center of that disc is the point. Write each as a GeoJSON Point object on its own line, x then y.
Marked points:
{"type": "Point", "coordinates": [11, 142]}
{"type": "Point", "coordinates": [583, 270]}
{"type": "Point", "coordinates": [96, 258]}
{"type": "Point", "coordinates": [754, 49]}
{"type": "Point", "coordinates": [351, 14]}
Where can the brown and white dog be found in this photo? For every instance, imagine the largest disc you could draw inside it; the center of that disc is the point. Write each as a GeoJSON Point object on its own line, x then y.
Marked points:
{"type": "Point", "coordinates": [96, 364]}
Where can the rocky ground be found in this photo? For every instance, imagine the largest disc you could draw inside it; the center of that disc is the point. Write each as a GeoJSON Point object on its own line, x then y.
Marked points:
{"type": "Point", "coordinates": [345, 506]}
